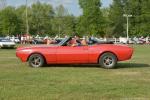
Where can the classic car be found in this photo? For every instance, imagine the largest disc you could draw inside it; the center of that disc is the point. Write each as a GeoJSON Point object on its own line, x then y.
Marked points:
{"type": "Point", "coordinates": [106, 55]}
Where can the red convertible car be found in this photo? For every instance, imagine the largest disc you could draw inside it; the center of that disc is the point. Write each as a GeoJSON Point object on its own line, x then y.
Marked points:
{"type": "Point", "coordinates": [106, 55]}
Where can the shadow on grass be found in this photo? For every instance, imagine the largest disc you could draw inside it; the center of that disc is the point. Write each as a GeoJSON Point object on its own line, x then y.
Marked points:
{"type": "Point", "coordinates": [8, 48]}
{"type": "Point", "coordinates": [132, 65]}
{"type": "Point", "coordinates": [118, 66]}
{"type": "Point", "coordinates": [74, 65]}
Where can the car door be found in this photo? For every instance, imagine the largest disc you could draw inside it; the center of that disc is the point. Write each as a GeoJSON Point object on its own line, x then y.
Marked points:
{"type": "Point", "coordinates": [72, 55]}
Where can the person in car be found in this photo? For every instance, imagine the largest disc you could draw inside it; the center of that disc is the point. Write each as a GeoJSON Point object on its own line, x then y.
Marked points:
{"type": "Point", "coordinates": [75, 41]}
{"type": "Point", "coordinates": [84, 42]}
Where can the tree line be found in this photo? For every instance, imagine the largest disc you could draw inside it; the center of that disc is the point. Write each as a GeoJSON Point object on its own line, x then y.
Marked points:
{"type": "Point", "coordinates": [95, 20]}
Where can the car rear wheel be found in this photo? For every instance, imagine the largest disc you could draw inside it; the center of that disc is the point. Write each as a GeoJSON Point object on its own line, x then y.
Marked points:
{"type": "Point", "coordinates": [108, 60]}
{"type": "Point", "coordinates": [36, 60]}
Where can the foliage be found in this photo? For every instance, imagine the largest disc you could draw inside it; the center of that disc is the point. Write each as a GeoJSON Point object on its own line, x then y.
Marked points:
{"type": "Point", "coordinates": [20, 11]}
{"type": "Point", "coordinates": [63, 22]}
{"type": "Point", "coordinates": [95, 20]}
{"type": "Point", "coordinates": [116, 18]}
{"type": "Point", "coordinates": [91, 22]}
{"type": "Point", "coordinates": [9, 22]}
{"type": "Point", "coordinates": [138, 24]}
{"type": "Point", "coordinates": [140, 10]}
{"type": "Point", "coordinates": [41, 16]}
{"type": "Point", "coordinates": [42, 20]}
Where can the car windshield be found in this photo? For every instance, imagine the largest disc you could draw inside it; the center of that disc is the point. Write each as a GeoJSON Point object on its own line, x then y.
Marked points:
{"type": "Point", "coordinates": [64, 41]}
{"type": "Point", "coordinates": [5, 40]}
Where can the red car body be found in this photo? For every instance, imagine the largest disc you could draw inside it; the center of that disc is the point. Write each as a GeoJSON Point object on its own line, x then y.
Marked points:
{"type": "Point", "coordinates": [74, 55]}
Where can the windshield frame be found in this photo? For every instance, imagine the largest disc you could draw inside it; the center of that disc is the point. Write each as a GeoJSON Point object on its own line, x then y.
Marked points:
{"type": "Point", "coordinates": [64, 41]}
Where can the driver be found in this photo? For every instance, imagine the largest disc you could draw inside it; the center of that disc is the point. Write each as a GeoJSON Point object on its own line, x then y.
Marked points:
{"type": "Point", "coordinates": [75, 41]}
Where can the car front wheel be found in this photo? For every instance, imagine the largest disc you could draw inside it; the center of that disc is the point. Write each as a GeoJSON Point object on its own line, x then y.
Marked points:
{"type": "Point", "coordinates": [36, 60]}
{"type": "Point", "coordinates": [108, 60]}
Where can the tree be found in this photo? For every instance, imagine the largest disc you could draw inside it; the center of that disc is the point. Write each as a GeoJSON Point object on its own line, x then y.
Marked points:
{"type": "Point", "coordinates": [20, 11]}
{"type": "Point", "coordinates": [41, 16]}
{"type": "Point", "coordinates": [91, 22]}
{"type": "Point", "coordinates": [9, 22]}
{"type": "Point", "coordinates": [61, 11]}
{"type": "Point", "coordinates": [140, 22]}
{"type": "Point", "coordinates": [116, 18]}
{"type": "Point", "coordinates": [145, 17]}
{"type": "Point", "coordinates": [63, 23]}
{"type": "Point", "coordinates": [107, 21]}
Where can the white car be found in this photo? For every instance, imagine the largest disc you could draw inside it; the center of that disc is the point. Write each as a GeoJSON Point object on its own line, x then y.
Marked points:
{"type": "Point", "coordinates": [6, 43]}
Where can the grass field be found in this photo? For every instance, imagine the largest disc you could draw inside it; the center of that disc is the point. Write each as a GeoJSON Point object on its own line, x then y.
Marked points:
{"type": "Point", "coordinates": [130, 81]}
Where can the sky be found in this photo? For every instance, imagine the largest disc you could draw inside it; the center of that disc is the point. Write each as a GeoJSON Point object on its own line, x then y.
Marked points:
{"type": "Point", "coordinates": [71, 5]}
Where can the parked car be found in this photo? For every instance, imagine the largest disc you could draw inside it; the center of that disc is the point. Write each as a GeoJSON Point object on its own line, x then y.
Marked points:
{"type": "Point", "coordinates": [15, 39]}
{"type": "Point", "coordinates": [106, 55]}
{"type": "Point", "coordinates": [6, 43]}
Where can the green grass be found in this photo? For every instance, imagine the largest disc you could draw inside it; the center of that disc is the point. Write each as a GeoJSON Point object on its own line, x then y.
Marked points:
{"type": "Point", "coordinates": [131, 80]}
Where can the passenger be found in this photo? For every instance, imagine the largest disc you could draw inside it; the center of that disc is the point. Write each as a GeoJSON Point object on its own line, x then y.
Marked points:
{"type": "Point", "coordinates": [84, 42]}
{"type": "Point", "coordinates": [48, 41]}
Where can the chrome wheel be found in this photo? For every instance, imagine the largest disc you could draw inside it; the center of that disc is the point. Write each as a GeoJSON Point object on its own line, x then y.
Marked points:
{"type": "Point", "coordinates": [36, 61]}
{"type": "Point", "coordinates": [108, 60]}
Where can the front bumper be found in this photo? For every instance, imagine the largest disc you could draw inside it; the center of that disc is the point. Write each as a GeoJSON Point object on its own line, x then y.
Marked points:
{"type": "Point", "coordinates": [8, 46]}
{"type": "Point", "coordinates": [22, 55]}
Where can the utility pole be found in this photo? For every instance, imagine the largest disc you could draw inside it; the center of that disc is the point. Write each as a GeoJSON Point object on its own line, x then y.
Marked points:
{"type": "Point", "coordinates": [27, 22]}
{"type": "Point", "coordinates": [127, 16]}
